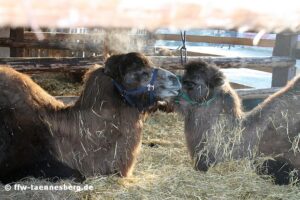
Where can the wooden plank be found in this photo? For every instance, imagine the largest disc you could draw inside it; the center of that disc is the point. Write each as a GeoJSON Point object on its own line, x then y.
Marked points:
{"type": "Point", "coordinates": [258, 63]}
{"type": "Point", "coordinates": [176, 52]}
{"type": "Point", "coordinates": [217, 40]}
{"type": "Point", "coordinates": [238, 86]}
{"type": "Point", "coordinates": [167, 62]}
{"type": "Point", "coordinates": [51, 64]}
{"type": "Point", "coordinates": [59, 36]}
{"type": "Point", "coordinates": [62, 45]}
{"type": "Point", "coordinates": [284, 46]}
{"type": "Point", "coordinates": [190, 38]}
{"type": "Point", "coordinates": [257, 93]}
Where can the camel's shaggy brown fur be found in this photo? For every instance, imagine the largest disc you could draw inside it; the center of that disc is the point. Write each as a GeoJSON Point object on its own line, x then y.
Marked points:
{"type": "Point", "coordinates": [99, 134]}
{"type": "Point", "coordinates": [219, 129]}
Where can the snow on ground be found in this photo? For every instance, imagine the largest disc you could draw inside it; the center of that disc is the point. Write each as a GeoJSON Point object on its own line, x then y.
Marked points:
{"type": "Point", "coordinates": [248, 77]}
{"type": "Point", "coordinates": [252, 78]}
{"type": "Point", "coordinates": [298, 66]}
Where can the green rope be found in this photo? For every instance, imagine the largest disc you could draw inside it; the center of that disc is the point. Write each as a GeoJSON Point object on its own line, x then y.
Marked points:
{"type": "Point", "coordinates": [186, 98]}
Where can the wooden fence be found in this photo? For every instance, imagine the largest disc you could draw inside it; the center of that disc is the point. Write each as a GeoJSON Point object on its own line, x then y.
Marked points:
{"type": "Point", "coordinates": [92, 43]}
{"type": "Point", "coordinates": [24, 43]}
{"type": "Point", "coordinates": [78, 51]}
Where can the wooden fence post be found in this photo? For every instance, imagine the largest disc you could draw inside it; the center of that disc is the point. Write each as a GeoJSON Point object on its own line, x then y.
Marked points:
{"type": "Point", "coordinates": [17, 34]}
{"type": "Point", "coordinates": [284, 46]}
{"type": "Point", "coordinates": [4, 51]}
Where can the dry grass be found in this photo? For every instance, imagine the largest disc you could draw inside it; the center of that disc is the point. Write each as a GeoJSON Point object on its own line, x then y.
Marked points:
{"type": "Point", "coordinates": [164, 169]}
{"type": "Point", "coordinates": [58, 84]}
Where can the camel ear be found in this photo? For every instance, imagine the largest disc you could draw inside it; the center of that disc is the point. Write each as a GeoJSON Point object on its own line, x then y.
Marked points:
{"type": "Point", "coordinates": [113, 66]}
{"type": "Point", "coordinates": [217, 80]}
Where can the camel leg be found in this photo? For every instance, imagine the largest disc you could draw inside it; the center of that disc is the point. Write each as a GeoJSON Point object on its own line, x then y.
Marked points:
{"type": "Point", "coordinates": [204, 161]}
{"type": "Point", "coordinates": [49, 169]}
{"type": "Point", "coordinates": [278, 169]}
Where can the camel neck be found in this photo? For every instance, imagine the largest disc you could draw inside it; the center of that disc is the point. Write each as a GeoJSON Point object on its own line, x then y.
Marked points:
{"type": "Point", "coordinates": [224, 101]}
{"type": "Point", "coordinates": [99, 125]}
{"type": "Point", "coordinates": [99, 92]}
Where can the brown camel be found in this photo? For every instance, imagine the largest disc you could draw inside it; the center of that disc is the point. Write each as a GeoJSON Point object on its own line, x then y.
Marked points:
{"type": "Point", "coordinates": [99, 135]}
{"type": "Point", "coordinates": [217, 129]}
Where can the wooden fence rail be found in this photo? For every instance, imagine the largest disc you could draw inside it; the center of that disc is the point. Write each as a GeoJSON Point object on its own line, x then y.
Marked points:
{"type": "Point", "coordinates": [167, 62]}
{"type": "Point", "coordinates": [94, 42]}
{"type": "Point", "coordinates": [189, 38]}
{"type": "Point", "coordinates": [62, 36]}
{"type": "Point", "coordinates": [218, 40]}
{"type": "Point", "coordinates": [46, 44]}
{"type": "Point", "coordinates": [67, 44]}
{"type": "Point", "coordinates": [21, 43]}
{"type": "Point", "coordinates": [258, 63]}
{"type": "Point", "coordinates": [51, 64]}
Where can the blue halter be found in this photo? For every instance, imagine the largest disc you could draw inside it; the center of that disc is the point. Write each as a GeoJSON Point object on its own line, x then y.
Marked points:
{"type": "Point", "coordinates": [130, 95]}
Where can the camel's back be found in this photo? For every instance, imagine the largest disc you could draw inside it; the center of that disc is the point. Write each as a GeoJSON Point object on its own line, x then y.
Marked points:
{"type": "Point", "coordinates": [18, 91]}
{"type": "Point", "coordinates": [278, 120]}
{"type": "Point", "coordinates": [22, 106]}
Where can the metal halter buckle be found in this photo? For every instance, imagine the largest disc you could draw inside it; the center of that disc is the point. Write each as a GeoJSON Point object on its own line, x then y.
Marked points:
{"type": "Point", "coordinates": [150, 87]}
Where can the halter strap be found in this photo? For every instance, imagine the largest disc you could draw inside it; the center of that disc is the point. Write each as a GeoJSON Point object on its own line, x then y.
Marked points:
{"type": "Point", "coordinates": [129, 95]}
{"type": "Point", "coordinates": [186, 97]}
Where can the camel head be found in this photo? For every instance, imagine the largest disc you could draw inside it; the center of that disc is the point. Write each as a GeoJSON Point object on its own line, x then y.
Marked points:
{"type": "Point", "coordinates": [200, 81]}
{"type": "Point", "coordinates": [138, 82]}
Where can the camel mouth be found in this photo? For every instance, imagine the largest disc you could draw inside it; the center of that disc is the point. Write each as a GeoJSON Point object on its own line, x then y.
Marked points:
{"type": "Point", "coordinates": [168, 85]}
{"type": "Point", "coordinates": [170, 92]}
{"type": "Point", "coordinates": [174, 92]}
{"type": "Point", "coordinates": [173, 88]}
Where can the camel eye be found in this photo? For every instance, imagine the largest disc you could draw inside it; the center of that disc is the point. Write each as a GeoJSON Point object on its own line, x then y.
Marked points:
{"type": "Point", "coordinates": [140, 76]}
{"type": "Point", "coordinates": [143, 76]}
{"type": "Point", "coordinates": [189, 84]}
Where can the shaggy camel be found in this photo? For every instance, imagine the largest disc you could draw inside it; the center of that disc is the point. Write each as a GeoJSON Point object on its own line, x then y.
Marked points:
{"type": "Point", "coordinates": [99, 135]}
{"type": "Point", "coordinates": [217, 129]}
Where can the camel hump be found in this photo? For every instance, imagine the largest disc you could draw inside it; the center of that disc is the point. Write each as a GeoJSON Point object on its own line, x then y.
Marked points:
{"type": "Point", "coordinates": [10, 87]}
{"type": "Point", "coordinates": [20, 93]}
